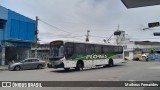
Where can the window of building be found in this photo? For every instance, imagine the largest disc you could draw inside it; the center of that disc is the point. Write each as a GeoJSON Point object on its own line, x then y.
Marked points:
{"type": "Point", "coordinates": [2, 23]}
{"type": "Point", "coordinates": [126, 54]}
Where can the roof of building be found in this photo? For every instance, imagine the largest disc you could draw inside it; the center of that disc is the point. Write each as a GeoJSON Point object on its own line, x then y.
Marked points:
{"type": "Point", "coordinates": [140, 3]}
{"type": "Point", "coordinates": [147, 43]}
{"type": "Point", "coordinates": [16, 12]}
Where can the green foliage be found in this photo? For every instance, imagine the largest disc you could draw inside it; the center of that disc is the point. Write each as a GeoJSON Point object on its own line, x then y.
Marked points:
{"type": "Point", "coordinates": [152, 52]}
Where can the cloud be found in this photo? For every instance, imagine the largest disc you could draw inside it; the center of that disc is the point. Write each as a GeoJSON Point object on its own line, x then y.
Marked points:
{"type": "Point", "coordinates": [101, 17]}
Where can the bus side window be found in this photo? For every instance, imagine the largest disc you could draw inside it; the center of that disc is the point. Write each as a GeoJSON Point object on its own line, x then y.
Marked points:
{"type": "Point", "coordinates": [105, 49]}
{"type": "Point", "coordinates": [98, 49]}
{"type": "Point", "coordinates": [80, 48]}
{"type": "Point", "coordinates": [88, 49]}
{"type": "Point", "coordinates": [120, 49]}
{"type": "Point", "coordinates": [116, 49]}
{"type": "Point", "coordinates": [102, 49]}
{"type": "Point", "coordinates": [68, 50]}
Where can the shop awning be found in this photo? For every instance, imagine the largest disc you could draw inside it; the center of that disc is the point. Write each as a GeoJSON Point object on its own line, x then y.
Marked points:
{"type": "Point", "coordinates": [140, 3]}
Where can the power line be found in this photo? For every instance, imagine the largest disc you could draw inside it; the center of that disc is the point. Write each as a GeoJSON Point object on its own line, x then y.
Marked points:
{"type": "Point", "coordinates": [86, 24]}
{"type": "Point", "coordinates": [115, 24]}
{"type": "Point", "coordinates": [97, 36]}
{"type": "Point", "coordinates": [84, 35]}
{"type": "Point", "coordinates": [77, 35]}
{"type": "Point", "coordinates": [54, 26]}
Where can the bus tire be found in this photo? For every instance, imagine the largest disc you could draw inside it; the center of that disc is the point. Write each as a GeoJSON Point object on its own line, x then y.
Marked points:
{"type": "Point", "coordinates": [79, 66]}
{"type": "Point", "coordinates": [110, 63]}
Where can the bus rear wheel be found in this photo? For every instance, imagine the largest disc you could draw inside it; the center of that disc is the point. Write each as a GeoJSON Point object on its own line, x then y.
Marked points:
{"type": "Point", "coordinates": [111, 63]}
{"type": "Point", "coordinates": [79, 66]}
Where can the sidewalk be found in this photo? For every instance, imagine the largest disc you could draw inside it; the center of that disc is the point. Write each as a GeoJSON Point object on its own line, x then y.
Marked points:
{"type": "Point", "coordinates": [3, 67]}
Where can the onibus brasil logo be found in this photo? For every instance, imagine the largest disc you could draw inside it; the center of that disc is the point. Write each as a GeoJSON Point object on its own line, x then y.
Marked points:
{"type": "Point", "coordinates": [21, 84]}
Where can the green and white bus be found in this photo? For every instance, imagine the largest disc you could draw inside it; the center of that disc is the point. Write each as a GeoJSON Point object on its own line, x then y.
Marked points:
{"type": "Point", "coordinates": [80, 55]}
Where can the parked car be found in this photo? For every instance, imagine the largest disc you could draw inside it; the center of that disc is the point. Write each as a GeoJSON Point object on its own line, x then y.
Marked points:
{"type": "Point", "coordinates": [30, 63]}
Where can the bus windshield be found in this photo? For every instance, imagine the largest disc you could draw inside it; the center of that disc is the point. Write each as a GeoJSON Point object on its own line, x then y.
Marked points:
{"type": "Point", "coordinates": [57, 50]}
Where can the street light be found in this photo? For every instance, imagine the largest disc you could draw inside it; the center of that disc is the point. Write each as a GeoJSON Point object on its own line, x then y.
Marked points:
{"type": "Point", "coordinates": [87, 36]}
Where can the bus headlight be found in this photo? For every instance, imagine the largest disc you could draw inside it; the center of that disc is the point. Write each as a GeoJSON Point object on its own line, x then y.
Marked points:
{"type": "Point", "coordinates": [59, 62]}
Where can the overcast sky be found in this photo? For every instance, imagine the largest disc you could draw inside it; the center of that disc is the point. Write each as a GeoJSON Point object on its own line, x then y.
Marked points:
{"type": "Point", "coordinates": [70, 19]}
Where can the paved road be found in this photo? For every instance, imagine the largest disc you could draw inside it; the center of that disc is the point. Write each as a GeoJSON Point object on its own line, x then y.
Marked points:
{"type": "Point", "coordinates": [130, 71]}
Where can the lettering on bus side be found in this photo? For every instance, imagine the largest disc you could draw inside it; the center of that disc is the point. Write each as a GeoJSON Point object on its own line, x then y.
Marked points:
{"type": "Point", "coordinates": [96, 56]}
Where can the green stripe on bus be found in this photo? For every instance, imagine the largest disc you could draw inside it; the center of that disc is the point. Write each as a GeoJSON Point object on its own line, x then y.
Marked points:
{"type": "Point", "coordinates": [92, 56]}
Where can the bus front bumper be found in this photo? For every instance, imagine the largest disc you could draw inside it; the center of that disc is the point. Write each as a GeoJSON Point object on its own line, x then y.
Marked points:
{"type": "Point", "coordinates": [61, 65]}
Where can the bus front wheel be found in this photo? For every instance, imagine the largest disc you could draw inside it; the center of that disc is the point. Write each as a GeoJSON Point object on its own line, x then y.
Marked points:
{"type": "Point", "coordinates": [79, 66]}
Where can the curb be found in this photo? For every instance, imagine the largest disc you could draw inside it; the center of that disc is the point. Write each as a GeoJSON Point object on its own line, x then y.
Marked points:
{"type": "Point", "coordinates": [3, 69]}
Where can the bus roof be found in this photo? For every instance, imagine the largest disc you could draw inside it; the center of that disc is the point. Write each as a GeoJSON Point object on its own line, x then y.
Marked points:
{"type": "Point", "coordinates": [65, 41]}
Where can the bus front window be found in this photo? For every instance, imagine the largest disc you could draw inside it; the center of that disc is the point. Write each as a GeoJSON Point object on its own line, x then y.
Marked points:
{"type": "Point", "coordinates": [57, 52]}
{"type": "Point", "coordinates": [61, 51]}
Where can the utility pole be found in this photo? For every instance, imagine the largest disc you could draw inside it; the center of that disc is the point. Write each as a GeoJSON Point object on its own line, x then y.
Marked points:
{"type": "Point", "coordinates": [104, 40]}
{"type": "Point", "coordinates": [36, 36]}
{"type": "Point", "coordinates": [117, 35]}
{"type": "Point", "coordinates": [87, 36]}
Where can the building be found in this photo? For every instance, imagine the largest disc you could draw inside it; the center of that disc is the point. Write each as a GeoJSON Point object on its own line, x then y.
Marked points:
{"type": "Point", "coordinates": [134, 49]}
{"type": "Point", "coordinates": [43, 51]}
{"type": "Point", "coordinates": [146, 47]}
{"type": "Point", "coordinates": [17, 33]}
{"type": "Point", "coordinates": [121, 39]}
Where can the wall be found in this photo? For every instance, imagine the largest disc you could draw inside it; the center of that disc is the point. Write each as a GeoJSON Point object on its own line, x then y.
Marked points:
{"type": "Point", "coordinates": [147, 46]}
{"type": "Point", "coordinates": [4, 16]}
{"type": "Point", "coordinates": [0, 54]}
{"type": "Point", "coordinates": [3, 13]}
{"type": "Point", "coordinates": [19, 27]}
{"type": "Point", "coordinates": [131, 55]}
{"type": "Point", "coordinates": [120, 38]}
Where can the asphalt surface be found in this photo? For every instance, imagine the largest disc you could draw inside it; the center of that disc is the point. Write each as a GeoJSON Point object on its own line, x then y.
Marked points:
{"type": "Point", "coordinates": [130, 71]}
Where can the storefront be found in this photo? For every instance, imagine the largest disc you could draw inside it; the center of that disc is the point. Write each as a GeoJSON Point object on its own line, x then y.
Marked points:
{"type": "Point", "coordinates": [0, 54]}
{"type": "Point", "coordinates": [17, 33]}
{"type": "Point", "coordinates": [14, 51]}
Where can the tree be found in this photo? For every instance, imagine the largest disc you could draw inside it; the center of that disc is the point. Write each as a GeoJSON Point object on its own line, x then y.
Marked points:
{"type": "Point", "coordinates": [152, 52]}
